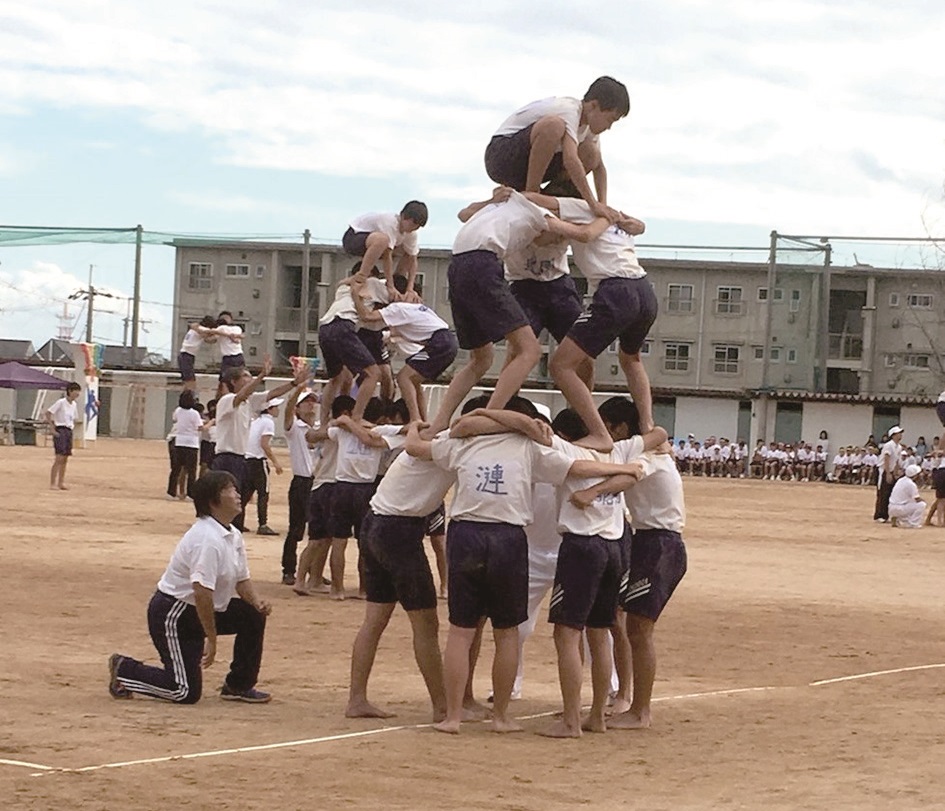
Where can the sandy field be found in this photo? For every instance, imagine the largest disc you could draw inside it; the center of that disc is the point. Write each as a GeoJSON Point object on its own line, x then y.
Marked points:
{"type": "Point", "coordinates": [801, 667]}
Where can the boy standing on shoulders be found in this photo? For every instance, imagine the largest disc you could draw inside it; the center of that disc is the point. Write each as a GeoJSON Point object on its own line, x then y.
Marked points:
{"type": "Point", "coordinates": [61, 417]}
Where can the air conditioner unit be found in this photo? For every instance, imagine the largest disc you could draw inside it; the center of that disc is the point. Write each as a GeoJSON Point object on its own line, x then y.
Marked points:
{"type": "Point", "coordinates": [896, 323]}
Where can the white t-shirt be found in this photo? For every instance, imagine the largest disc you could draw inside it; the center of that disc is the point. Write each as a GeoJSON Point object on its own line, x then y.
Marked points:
{"type": "Point", "coordinates": [233, 423]}
{"type": "Point", "coordinates": [189, 424]}
{"type": "Point", "coordinates": [388, 224]}
{"type": "Point", "coordinates": [502, 227]}
{"type": "Point", "coordinates": [191, 342]}
{"type": "Point", "coordinates": [300, 457]}
{"type": "Point", "coordinates": [564, 107]}
{"type": "Point", "coordinates": [889, 456]}
{"type": "Point", "coordinates": [656, 501]}
{"type": "Point", "coordinates": [604, 516]}
{"type": "Point", "coordinates": [543, 263]}
{"type": "Point", "coordinates": [324, 461]}
{"type": "Point", "coordinates": [263, 425]}
{"type": "Point", "coordinates": [494, 475]}
{"type": "Point", "coordinates": [542, 533]}
{"type": "Point", "coordinates": [904, 491]}
{"type": "Point", "coordinates": [230, 339]}
{"type": "Point", "coordinates": [357, 462]}
{"type": "Point", "coordinates": [373, 292]}
{"type": "Point", "coordinates": [64, 413]}
{"type": "Point", "coordinates": [209, 554]}
{"type": "Point", "coordinates": [611, 255]}
{"type": "Point", "coordinates": [414, 323]}
{"type": "Point", "coordinates": [412, 487]}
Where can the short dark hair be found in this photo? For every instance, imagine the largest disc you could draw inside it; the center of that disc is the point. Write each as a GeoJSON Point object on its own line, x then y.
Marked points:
{"type": "Point", "coordinates": [342, 404]}
{"type": "Point", "coordinates": [416, 211]}
{"type": "Point", "coordinates": [73, 387]}
{"type": "Point", "coordinates": [198, 407]}
{"type": "Point", "coordinates": [207, 490]}
{"type": "Point", "coordinates": [479, 401]}
{"type": "Point", "coordinates": [208, 321]}
{"type": "Point", "coordinates": [375, 409]}
{"type": "Point", "coordinates": [621, 411]}
{"type": "Point", "coordinates": [568, 425]}
{"type": "Point", "coordinates": [211, 407]}
{"type": "Point", "coordinates": [231, 375]}
{"type": "Point", "coordinates": [400, 283]}
{"type": "Point", "coordinates": [187, 399]}
{"type": "Point", "coordinates": [609, 95]}
{"type": "Point", "coordinates": [521, 405]}
{"type": "Point", "coordinates": [223, 313]}
{"type": "Point", "coordinates": [397, 411]}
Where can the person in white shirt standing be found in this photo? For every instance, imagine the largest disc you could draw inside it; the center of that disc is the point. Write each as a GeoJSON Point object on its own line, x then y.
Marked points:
{"type": "Point", "coordinates": [258, 455]}
{"type": "Point", "coordinates": [906, 506]}
{"type": "Point", "coordinates": [61, 417]}
{"type": "Point", "coordinates": [205, 591]}
{"type": "Point", "coordinates": [886, 473]}
{"type": "Point", "coordinates": [194, 338]}
{"type": "Point", "coordinates": [188, 424]}
{"type": "Point", "coordinates": [298, 425]}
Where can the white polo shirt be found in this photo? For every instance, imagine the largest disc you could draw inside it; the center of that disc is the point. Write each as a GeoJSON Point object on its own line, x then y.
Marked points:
{"type": "Point", "coordinates": [656, 501]}
{"type": "Point", "coordinates": [373, 292]}
{"type": "Point", "coordinates": [388, 224]}
{"type": "Point", "coordinates": [233, 423]}
{"type": "Point", "coordinates": [263, 425]}
{"type": "Point", "coordinates": [324, 461]}
{"type": "Point", "coordinates": [502, 227]}
{"type": "Point", "coordinates": [209, 554]}
{"type": "Point", "coordinates": [64, 413]}
{"type": "Point", "coordinates": [564, 107]}
{"type": "Point", "coordinates": [189, 425]}
{"type": "Point", "coordinates": [611, 255]}
{"type": "Point", "coordinates": [904, 492]}
{"type": "Point", "coordinates": [412, 487]}
{"type": "Point", "coordinates": [300, 456]}
{"type": "Point", "coordinates": [191, 342]}
{"type": "Point", "coordinates": [414, 323]}
{"type": "Point", "coordinates": [358, 463]}
{"type": "Point", "coordinates": [604, 516]}
{"type": "Point", "coordinates": [229, 339]}
{"type": "Point", "coordinates": [494, 475]}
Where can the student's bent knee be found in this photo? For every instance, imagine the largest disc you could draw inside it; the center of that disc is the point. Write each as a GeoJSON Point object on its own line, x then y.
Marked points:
{"type": "Point", "coordinates": [549, 127]}
{"type": "Point", "coordinates": [639, 628]}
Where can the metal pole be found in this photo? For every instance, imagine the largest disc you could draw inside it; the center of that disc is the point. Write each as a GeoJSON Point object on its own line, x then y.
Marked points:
{"type": "Point", "coordinates": [304, 294]}
{"type": "Point", "coordinates": [136, 306]}
{"type": "Point", "coordinates": [824, 319]}
{"type": "Point", "coordinates": [88, 313]}
{"type": "Point", "coordinates": [766, 352]}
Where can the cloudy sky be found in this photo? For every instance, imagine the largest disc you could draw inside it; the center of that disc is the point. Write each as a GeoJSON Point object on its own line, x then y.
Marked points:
{"type": "Point", "coordinates": [266, 118]}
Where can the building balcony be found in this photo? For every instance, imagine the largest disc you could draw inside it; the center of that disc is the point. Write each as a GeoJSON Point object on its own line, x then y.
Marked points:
{"type": "Point", "coordinates": [843, 346]}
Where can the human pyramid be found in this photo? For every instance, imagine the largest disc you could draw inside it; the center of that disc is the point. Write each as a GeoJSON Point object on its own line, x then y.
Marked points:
{"type": "Point", "coordinates": [588, 505]}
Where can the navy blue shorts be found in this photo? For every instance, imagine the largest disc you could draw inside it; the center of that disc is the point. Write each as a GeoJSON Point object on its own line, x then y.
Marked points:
{"type": "Point", "coordinates": [62, 441]}
{"type": "Point", "coordinates": [349, 503]}
{"type": "Point", "coordinates": [373, 341]}
{"type": "Point", "coordinates": [587, 582]}
{"type": "Point", "coordinates": [436, 522]}
{"type": "Point", "coordinates": [484, 309]}
{"type": "Point", "coordinates": [553, 306]}
{"type": "Point", "coordinates": [436, 356]}
{"type": "Point", "coordinates": [341, 347]}
{"type": "Point", "coordinates": [231, 362]}
{"type": "Point", "coordinates": [940, 410]}
{"type": "Point", "coordinates": [507, 156]}
{"type": "Point", "coordinates": [621, 308]}
{"type": "Point", "coordinates": [394, 562]}
{"type": "Point", "coordinates": [938, 481]}
{"type": "Point", "coordinates": [235, 465]}
{"type": "Point", "coordinates": [185, 362]}
{"type": "Point", "coordinates": [657, 564]}
{"type": "Point", "coordinates": [207, 449]}
{"type": "Point", "coordinates": [319, 510]}
{"type": "Point", "coordinates": [488, 574]}
{"type": "Point", "coordinates": [354, 242]}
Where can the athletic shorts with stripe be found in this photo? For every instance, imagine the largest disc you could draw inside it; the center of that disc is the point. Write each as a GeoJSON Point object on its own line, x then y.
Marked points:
{"type": "Point", "coordinates": [587, 580]}
{"type": "Point", "coordinates": [657, 564]}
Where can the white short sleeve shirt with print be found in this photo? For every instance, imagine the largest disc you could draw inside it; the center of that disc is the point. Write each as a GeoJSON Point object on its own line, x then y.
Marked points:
{"type": "Point", "coordinates": [502, 228]}
{"type": "Point", "coordinates": [388, 224]}
{"type": "Point", "coordinates": [604, 516]}
{"type": "Point", "coordinates": [564, 107]}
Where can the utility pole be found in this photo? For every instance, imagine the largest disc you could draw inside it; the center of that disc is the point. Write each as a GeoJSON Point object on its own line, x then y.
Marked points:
{"type": "Point", "coordinates": [135, 315]}
{"type": "Point", "coordinates": [89, 295]}
{"type": "Point", "coordinates": [127, 320]}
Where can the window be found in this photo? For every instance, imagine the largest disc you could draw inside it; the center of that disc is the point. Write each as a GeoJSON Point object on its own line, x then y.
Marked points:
{"type": "Point", "coordinates": [893, 299]}
{"type": "Point", "coordinates": [615, 347]}
{"type": "Point", "coordinates": [679, 298]}
{"type": "Point", "coordinates": [645, 349]}
{"type": "Point", "coordinates": [260, 271]}
{"type": "Point", "coordinates": [762, 294]}
{"type": "Point", "coordinates": [775, 354]}
{"type": "Point", "coordinates": [759, 352]}
{"type": "Point", "coordinates": [919, 301]}
{"type": "Point", "coordinates": [237, 271]}
{"type": "Point", "coordinates": [915, 360]}
{"type": "Point", "coordinates": [792, 356]}
{"type": "Point", "coordinates": [200, 276]}
{"type": "Point", "coordinates": [676, 358]}
{"type": "Point", "coordinates": [890, 361]}
{"type": "Point", "coordinates": [252, 351]}
{"type": "Point", "coordinates": [729, 301]}
{"type": "Point", "coordinates": [418, 282]}
{"type": "Point", "coordinates": [795, 301]}
{"type": "Point", "coordinates": [778, 294]}
{"type": "Point", "coordinates": [726, 359]}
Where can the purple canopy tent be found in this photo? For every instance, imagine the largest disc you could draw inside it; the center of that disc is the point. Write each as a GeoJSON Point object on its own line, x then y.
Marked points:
{"type": "Point", "coordinates": [15, 375]}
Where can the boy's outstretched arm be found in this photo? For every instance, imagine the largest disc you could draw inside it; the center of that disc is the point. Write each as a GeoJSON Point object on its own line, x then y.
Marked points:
{"type": "Point", "coordinates": [499, 195]}
{"type": "Point", "coordinates": [587, 469]}
{"type": "Point", "coordinates": [612, 484]}
{"type": "Point", "coordinates": [482, 421]}
{"type": "Point", "coordinates": [417, 447]}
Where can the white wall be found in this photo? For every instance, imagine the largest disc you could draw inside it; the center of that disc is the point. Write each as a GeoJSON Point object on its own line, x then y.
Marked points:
{"type": "Point", "coordinates": [703, 417]}
{"type": "Point", "coordinates": [845, 424]}
{"type": "Point", "coordinates": [919, 421]}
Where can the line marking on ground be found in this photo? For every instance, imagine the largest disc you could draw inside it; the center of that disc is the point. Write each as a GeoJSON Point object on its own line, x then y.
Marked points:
{"type": "Point", "coordinates": [875, 673]}
{"type": "Point", "coordinates": [47, 770]}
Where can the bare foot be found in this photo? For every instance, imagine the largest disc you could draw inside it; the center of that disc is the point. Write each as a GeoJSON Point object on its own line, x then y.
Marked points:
{"type": "Point", "coordinates": [336, 595]}
{"type": "Point", "coordinates": [63, 487]}
{"type": "Point", "coordinates": [506, 725]}
{"type": "Point", "coordinates": [359, 596]}
{"type": "Point", "coordinates": [299, 589]}
{"type": "Point", "coordinates": [474, 711]}
{"type": "Point", "coordinates": [450, 727]}
{"type": "Point", "coordinates": [620, 706]}
{"type": "Point", "coordinates": [629, 720]}
{"type": "Point", "coordinates": [319, 588]}
{"type": "Point", "coordinates": [592, 724]}
{"type": "Point", "coordinates": [559, 729]}
{"type": "Point", "coordinates": [365, 709]}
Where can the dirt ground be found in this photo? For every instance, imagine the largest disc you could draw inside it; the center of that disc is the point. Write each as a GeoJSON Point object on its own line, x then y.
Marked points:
{"type": "Point", "coordinates": [788, 584]}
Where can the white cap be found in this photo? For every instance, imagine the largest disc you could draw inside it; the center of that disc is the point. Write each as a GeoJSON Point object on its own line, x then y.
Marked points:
{"type": "Point", "coordinates": [304, 396]}
{"type": "Point", "coordinates": [276, 401]}
{"type": "Point", "coordinates": [895, 430]}
{"type": "Point", "coordinates": [913, 470]}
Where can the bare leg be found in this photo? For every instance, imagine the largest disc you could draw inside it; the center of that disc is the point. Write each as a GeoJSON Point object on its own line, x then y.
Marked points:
{"type": "Point", "coordinates": [480, 359]}
{"type": "Point", "coordinates": [317, 567]}
{"type": "Point", "coordinates": [375, 247]}
{"type": "Point", "coordinates": [526, 352]}
{"type": "Point", "coordinates": [439, 552]}
{"type": "Point", "coordinates": [638, 382]}
{"type": "Point", "coordinates": [329, 392]}
{"type": "Point", "coordinates": [376, 617]}
{"type": "Point", "coordinates": [337, 565]}
{"type": "Point", "coordinates": [426, 649]}
{"type": "Point", "coordinates": [504, 667]}
{"type": "Point", "coordinates": [472, 709]}
{"type": "Point", "coordinates": [640, 631]}
{"type": "Point", "coordinates": [455, 676]}
{"type": "Point", "coordinates": [623, 659]}
{"type": "Point", "coordinates": [387, 381]}
{"type": "Point", "coordinates": [366, 389]}
{"type": "Point", "coordinates": [570, 673]}
{"type": "Point", "coordinates": [409, 382]}
{"type": "Point", "coordinates": [565, 362]}
{"type": "Point", "coordinates": [602, 665]}
{"type": "Point", "coordinates": [546, 137]}
{"type": "Point", "coordinates": [62, 472]}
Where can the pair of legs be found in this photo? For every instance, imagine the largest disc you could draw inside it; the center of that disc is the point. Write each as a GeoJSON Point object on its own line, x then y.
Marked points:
{"type": "Point", "coordinates": [183, 474]}
{"type": "Point", "coordinates": [547, 136]}
{"type": "Point", "coordinates": [308, 577]}
{"type": "Point", "coordinates": [57, 473]}
{"type": "Point", "coordinates": [411, 389]}
{"type": "Point", "coordinates": [643, 651]}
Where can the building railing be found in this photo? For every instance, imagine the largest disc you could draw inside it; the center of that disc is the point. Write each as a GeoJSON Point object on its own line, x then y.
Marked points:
{"type": "Point", "coordinates": [845, 347]}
